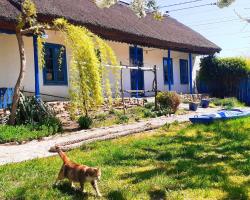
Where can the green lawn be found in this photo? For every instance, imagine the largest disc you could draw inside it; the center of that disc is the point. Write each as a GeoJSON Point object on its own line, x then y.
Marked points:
{"type": "Point", "coordinates": [176, 162]}
{"type": "Point", "coordinates": [21, 133]}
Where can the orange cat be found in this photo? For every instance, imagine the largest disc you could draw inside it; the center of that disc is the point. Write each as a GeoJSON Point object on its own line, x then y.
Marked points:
{"type": "Point", "coordinates": [78, 173]}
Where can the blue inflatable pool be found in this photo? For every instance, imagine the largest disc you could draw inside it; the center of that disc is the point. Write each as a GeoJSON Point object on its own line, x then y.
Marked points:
{"type": "Point", "coordinates": [221, 115]}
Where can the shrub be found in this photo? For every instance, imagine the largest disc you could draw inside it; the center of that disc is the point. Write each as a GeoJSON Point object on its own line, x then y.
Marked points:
{"type": "Point", "coordinates": [228, 103]}
{"type": "Point", "coordinates": [169, 101]}
{"type": "Point", "coordinates": [149, 105]}
{"type": "Point", "coordinates": [161, 112]}
{"type": "Point", "coordinates": [137, 119]}
{"type": "Point", "coordinates": [112, 111]}
{"type": "Point", "coordinates": [101, 117]}
{"type": "Point", "coordinates": [85, 122]}
{"type": "Point", "coordinates": [221, 76]}
{"type": "Point", "coordinates": [36, 113]}
{"type": "Point", "coordinates": [122, 119]}
{"type": "Point", "coordinates": [149, 114]}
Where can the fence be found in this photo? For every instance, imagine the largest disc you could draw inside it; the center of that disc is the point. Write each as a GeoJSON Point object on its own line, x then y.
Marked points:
{"type": "Point", "coordinates": [6, 95]}
{"type": "Point", "coordinates": [243, 93]}
{"type": "Point", "coordinates": [241, 90]}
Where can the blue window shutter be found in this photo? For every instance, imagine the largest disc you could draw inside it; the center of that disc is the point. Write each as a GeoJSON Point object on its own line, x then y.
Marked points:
{"type": "Point", "coordinates": [140, 57]}
{"type": "Point", "coordinates": [132, 55]}
{"type": "Point", "coordinates": [172, 72]}
{"type": "Point", "coordinates": [136, 76]}
{"type": "Point", "coordinates": [165, 70]}
{"type": "Point", "coordinates": [183, 71]}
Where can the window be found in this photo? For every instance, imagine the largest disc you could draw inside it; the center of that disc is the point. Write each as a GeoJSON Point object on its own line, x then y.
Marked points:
{"type": "Point", "coordinates": [184, 71]}
{"type": "Point", "coordinates": [165, 70]}
{"type": "Point", "coordinates": [55, 69]}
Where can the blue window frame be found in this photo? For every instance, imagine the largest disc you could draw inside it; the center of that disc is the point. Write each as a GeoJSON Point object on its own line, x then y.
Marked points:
{"type": "Point", "coordinates": [183, 71]}
{"type": "Point", "coordinates": [55, 69]}
{"type": "Point", "coordinates": [165, 71]}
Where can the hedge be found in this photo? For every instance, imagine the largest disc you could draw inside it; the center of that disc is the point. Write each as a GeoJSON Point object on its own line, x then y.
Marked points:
{"type": "Point", "coordinates": [223, 75]}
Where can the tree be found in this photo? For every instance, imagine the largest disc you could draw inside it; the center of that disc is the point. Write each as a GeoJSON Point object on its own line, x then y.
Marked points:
{"type": "Point", "coordinates": [27, 24]}
{"type": "Point", "coordinates": [87, 67]}
{"type": "Point", "coordinates": [224, 3]}
{"type": "Point", "coordinates": [138, 6]}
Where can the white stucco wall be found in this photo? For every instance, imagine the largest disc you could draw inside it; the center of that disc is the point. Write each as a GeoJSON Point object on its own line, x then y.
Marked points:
{"type": "Point", "coordinates": [10, 62]}
{"type": "Point", "coordinates": [155, 57]}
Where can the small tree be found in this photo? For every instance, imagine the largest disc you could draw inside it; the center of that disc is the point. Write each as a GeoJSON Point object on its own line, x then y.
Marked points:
{"type": "Point", "coordinates": [27, 24]}
{"type": "Point", "coordinates": [88, 72]}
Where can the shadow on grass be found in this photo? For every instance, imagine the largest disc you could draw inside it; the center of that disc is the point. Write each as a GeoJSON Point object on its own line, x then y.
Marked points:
{"type": "Point", "coordinates": [138, 177]}
{"type": "Point", "coordinates": [19, 193]}
{"type": "Point", "coordinates": [201, 160]}
{"type": "Point", "coordinates": [75, 194]}
{"type": "Point", "coordinates": [157, 194]}
{"type": "Point", "coordinates": [116, 195]}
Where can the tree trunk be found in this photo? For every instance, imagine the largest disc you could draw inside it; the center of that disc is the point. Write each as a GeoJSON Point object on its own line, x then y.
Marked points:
{"type": "Point", "coordinates": [20, 77]}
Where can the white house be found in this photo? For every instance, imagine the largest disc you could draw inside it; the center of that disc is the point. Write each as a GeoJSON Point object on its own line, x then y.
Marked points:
{"type": "Point", "coordinates": [168, 44]}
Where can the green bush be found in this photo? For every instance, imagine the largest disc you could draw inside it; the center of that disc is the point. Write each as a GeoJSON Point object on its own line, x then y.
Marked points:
{"type": "Point", "coordinates": [161, 112]}
{"type": "Point", "coordinates": [228, 103]}
{"type": "Point", "coordinates": [101, 117]}
{"type": "Point", "coordinates": [112, 111]}
{"type": "Point", "coordinates": [222, 76]}
{"type": "Point", "coordinates": [122, 119]}
{"type": "Point", "coordinates": [37, 114]}
{"type": "Point", "coordinates": [149, 114]}
{"type": "Point", "coordinates": [85, 122]}
{"type": "Point", "coordinates": [168, 101]}
{"type": "Point", "coordinates": [149, 105]}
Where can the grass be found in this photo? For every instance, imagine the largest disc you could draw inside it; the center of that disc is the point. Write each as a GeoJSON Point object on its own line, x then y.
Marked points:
{"type": "Point", "coordinates": [227, 103]}
{"type": "Point", "coordinates": [21, 133]}
{"type": "Point", "coordinates": [179, 161]}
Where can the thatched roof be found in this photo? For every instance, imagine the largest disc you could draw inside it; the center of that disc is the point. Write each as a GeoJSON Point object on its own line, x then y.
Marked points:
{"type": "Point", "coordinates": [118, 23]}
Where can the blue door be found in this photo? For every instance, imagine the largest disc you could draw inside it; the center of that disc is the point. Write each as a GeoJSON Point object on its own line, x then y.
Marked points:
{"type": "Point", "coordinates": [137, 76]}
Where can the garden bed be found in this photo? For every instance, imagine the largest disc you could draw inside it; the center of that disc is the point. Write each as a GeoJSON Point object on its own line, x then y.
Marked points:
{"type": "Point", "coordinates": [136, 111]}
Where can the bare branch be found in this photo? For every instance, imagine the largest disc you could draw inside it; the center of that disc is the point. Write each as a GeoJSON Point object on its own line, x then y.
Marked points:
{"type": "Point", "coordinates": [242, 18]}
{"type": "Point", "coordinates": [39, 29]}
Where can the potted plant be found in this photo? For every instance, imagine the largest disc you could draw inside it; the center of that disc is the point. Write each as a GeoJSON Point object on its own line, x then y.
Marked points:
{"type": "Point", "coordinates": [193, 104]}
{"type": "Point", "coordinates": [205, 103]}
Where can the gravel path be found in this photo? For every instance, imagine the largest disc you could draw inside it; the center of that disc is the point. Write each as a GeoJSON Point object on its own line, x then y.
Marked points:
{"type": "Point", "coordinates": [39, 149]}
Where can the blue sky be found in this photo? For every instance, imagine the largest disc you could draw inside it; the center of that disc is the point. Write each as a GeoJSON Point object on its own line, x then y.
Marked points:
{"type": "Point", "coordinates": [221, 26]}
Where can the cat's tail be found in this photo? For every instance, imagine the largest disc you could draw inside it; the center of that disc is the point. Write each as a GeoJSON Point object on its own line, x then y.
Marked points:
{"type": "Point", "coordinates": [62, 154]}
